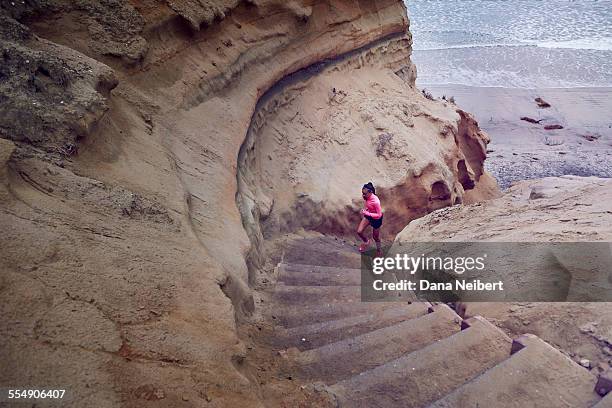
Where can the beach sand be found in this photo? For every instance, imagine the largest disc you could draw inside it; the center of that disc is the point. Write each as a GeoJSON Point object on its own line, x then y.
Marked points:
{"type": "Point", "coordinates": [521, 150]}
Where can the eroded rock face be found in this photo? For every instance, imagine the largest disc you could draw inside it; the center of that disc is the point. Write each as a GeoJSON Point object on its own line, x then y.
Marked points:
{"type": "Point", "coordinates": [108, 28]}
{"type": "Point", "coordinates": [118, 205]}
{"type": "Point", "coordinates": [567, 208]}
{"type": "Point", "coordinates": [553, 209]}
{"type": "Point", "coordinates": [6, 150]}
{"type": "Point", "coordinates": [123, 252]}
{"type": "Point", "coordinates": [50, 95]}
{"type": "Point", "coordinates": [316, 141]}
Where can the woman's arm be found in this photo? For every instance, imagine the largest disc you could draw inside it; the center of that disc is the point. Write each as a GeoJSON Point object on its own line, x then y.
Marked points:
{"type": "Point", "coordinates": [377, 213]}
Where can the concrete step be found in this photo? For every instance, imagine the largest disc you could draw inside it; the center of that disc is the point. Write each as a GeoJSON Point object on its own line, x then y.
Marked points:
{"type": "Point", "coordinates": [605, 402]}
{"type": "Point", "coordinates": [324, 244]}
{"type": "Point", "coordinates": [316, 275]}
{"type": "Point", "coordinates": [293, 316]}
{"type": "Point", "coordinates": [318, 334]}
{"type": "Point", "coordinates": [290, 268]}
{"type": "Point", "coordinates": [326, 259]}
{"type": "Point", "coordinates": [426, 375]}
{"type": "Point", "coordinates": [537, 375]}
{"type": "Point", "coordinates": [299, 295]}
{"type": "Point", "coordinates": [604, 388]}
{"type": "Point", "coordinates": [322, 252]}
{"type": "Point", "coordinates": [336, 361]}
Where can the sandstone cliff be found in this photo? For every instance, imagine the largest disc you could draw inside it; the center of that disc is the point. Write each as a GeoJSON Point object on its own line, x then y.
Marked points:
{"type": "Point", "coordinates": [555, 209]}
{"type": "Point", "coordinates": [323, 132]}
{"type": "Point", "coordinates": [567, 208]}
{"type": "Point", "coordinates": [123, 249]}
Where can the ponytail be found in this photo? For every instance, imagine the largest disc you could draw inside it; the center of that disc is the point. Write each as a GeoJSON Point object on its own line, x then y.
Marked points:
{"type": "Point", "coordinates": [370, 187]}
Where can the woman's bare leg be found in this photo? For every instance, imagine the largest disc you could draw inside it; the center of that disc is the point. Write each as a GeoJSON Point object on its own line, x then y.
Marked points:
{"type": "Point", "coordinates": [362, 226]}
{"type": "Point", "coordinates": [376, 236]}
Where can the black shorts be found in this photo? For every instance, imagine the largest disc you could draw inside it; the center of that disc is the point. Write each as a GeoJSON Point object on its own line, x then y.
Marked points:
{"type": "Point", "coordinates": [375, 223]}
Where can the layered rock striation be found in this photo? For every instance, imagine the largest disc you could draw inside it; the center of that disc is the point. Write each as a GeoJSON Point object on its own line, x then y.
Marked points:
{"type": "Point", "coordinates": [323, 132]}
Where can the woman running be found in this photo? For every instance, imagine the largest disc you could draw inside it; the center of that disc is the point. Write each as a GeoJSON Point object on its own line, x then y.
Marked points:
{"type": "Point", "coordinates": [372, 214]}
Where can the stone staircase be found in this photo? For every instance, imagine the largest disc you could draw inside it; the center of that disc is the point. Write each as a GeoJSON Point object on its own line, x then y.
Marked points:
{"type": "Point", "coordinates": [401, 354]}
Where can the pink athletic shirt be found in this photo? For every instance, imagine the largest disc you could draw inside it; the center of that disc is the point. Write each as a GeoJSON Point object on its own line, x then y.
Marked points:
{"type": "Point", "coordinates": [372, 207]}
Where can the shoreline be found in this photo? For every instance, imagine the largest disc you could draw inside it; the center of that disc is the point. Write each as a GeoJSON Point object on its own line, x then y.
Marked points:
{"type": "Point", "coordinates": [543, 88]}
{"type": "Point", "coordinates": [520, 150]}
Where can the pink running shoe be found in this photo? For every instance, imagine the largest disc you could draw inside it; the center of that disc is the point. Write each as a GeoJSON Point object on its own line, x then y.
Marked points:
{"type": "Point", "coordinates": [364, 247]}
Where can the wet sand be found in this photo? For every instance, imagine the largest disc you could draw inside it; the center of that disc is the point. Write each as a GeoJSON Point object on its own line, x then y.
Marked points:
{"type": "Point", "coordinates": [521, 150]}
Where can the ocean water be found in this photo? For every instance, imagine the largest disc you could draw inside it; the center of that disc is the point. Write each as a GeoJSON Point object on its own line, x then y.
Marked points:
{"type": "Point", "coordinates": [512, 43]}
